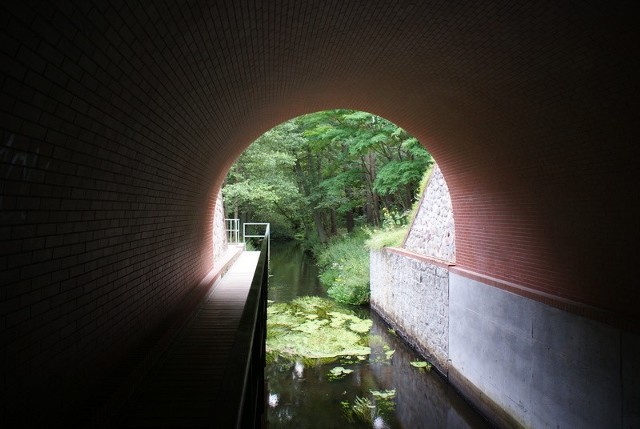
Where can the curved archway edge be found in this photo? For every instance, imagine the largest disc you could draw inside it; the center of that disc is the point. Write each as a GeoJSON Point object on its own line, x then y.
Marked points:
{"type": "Point", "coordinates": [120, 119]}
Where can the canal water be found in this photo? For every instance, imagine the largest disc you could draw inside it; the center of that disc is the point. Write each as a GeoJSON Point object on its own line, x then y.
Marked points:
{"type": "Point", "coordinates": [303, 396]}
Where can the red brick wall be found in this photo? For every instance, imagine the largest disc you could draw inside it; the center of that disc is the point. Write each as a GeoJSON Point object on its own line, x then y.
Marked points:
{"type": "Point", "coordinates": [119, 120]}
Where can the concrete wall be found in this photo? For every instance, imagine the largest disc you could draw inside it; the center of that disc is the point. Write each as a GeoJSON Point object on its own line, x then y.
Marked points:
{"type": "Point", "coordinates": [522, 362]}
{"type": "Point", "coordinates": [432, 231]}
{"type": "Point", "coordinates": [543, 366]}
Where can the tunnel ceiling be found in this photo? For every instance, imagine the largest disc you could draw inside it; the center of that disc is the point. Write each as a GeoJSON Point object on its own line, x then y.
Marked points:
{"type": "Point", "coordinates": [121, 119]}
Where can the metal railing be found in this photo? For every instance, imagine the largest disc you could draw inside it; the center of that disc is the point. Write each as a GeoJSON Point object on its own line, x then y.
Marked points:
{"type": "Point", "coordinates": [233, 230]}
{"type": "Point", "coordinates": [245, 384]}
{"type": "Point", "coordinates": [266, 235]}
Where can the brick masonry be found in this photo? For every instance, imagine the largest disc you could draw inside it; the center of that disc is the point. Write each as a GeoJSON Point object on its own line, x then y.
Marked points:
{"type": "Point", "coordinates": [119, 120]}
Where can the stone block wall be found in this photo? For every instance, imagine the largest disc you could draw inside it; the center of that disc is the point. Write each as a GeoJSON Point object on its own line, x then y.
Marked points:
{"type": "Point", "coordinates": [412, 295]}
{"type": "Point", "coordinates": [432, 232]}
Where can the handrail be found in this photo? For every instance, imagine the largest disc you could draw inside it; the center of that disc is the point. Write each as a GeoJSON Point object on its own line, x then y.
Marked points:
{"type": "Point", "coordinates": [244, 381]}
{"type": "Point", "coordinates": [232, 226]}
{"type": "Point", "coordinates": [267, 233]}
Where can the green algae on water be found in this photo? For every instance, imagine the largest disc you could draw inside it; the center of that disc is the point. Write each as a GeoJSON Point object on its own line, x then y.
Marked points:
{"type": "Point", "coordinates": [315, 328]}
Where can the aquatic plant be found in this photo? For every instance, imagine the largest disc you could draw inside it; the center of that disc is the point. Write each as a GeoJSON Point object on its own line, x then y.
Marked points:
{"type": "Point", "coordinates": [375, 340]}
{"type": "Point", "coordinates": [313, 362]}
{"type": "Point", "coordinates": [338, 372]}
{"type": "Point", "coordinates": [368, 410]}
{"type": "Point", "coordinates": [421, 365]}
{"type": "Point", "coordinates": [384, 394]}
{"type": "Point", "coordinates": [315, 328]}
{"type": "Point", "coordinates": [364, 409]}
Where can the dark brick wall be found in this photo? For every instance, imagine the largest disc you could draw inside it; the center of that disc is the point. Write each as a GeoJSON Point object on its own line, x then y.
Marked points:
{"type": "Point", "coordinates": [119, 120]}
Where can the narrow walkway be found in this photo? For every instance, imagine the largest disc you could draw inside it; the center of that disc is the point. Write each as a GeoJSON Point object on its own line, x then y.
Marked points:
{"type": "Point", "coordinates": [185, 387]}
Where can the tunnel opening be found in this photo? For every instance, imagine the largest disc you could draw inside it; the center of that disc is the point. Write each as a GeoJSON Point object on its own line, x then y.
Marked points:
{"type": "Point", "coordinates": [330, 170]}
{"type": "Point", "coordinates": [119, 120]}
{"type": "Point", "coordinates": [333, 162]}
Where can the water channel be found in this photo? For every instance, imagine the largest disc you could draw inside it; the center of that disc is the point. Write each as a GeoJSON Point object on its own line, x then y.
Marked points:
{"type": "Point", "coordinates": [303, 396]}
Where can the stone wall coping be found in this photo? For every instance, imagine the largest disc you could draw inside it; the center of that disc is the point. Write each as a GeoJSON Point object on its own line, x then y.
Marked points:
{"type": "Point", "coordinates": [561, 303]}
{"type": "Point", "coordinates": [428, 259]}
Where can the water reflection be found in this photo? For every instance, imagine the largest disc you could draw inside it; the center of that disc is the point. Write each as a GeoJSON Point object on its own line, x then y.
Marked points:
{"type": "Point", "coordinates": [302, 396]}
{"type": "Point", "coordinates": [298, 370]}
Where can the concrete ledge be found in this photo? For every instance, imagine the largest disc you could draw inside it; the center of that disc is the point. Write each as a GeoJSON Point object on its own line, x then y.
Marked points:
{"type": "Point", "coordinates": [523, 358]}
{"type": "Point", "coordinates": [487, 407]}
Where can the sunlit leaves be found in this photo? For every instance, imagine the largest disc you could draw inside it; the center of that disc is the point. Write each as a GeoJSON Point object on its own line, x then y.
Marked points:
{"type": "Point", "coordinates": [342, 164]}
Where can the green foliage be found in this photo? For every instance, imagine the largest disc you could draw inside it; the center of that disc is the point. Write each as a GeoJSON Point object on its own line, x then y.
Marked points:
{"type": "Point", "coordinates": [396, 174]}
{"type": "Point", "coordinates": [315, 328]}
{"type": "Point", "coordinates": [362, 409]}
{"type": "Point", "coordinates": [386, 238]}
{"type": "Point", "coordinates": [320, 172]}
{"type": "Point", "coordinates": [367, 410]}
{"type": "Point", "coordinates": [385, 394]}
{"type": "Point", "coordinates": [393, 232]}
{"type": "Point", "coordinates": [421, 365]}
{"type": "Point", "coordinates": [338, 372]}
{"type": "Point", "coordinates": [344, 269]}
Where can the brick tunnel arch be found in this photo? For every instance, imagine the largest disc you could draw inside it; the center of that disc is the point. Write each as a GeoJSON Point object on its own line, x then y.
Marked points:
{"type": "Point", "coordinates": [120, 119]}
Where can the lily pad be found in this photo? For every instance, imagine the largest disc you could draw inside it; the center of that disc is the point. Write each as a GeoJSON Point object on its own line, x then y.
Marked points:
{"type": "Point", "coordinates": [385, 394]}
{"type": "Point", "coordinates": [338, 372]}
{"type": "Point", "coordinates": [421, 364]}
{"type": "Point", "coordinates": [315, 328]}
{"type": "Point", "coordinates": [361, 326]}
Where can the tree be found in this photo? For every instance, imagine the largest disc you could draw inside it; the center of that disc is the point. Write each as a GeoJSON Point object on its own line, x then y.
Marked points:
{"type": "Point", "coordinates": [325, 171]}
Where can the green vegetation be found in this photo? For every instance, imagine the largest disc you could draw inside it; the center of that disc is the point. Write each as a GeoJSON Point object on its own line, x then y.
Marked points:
{"type": "Point", "coordinates": [396, 225]}
{"type": "Point", "coordinates": [338, 372]}
{"type": "Point", "coordinates": [393, 232]}
{"type": "Point", "coordinates": [344, 268]}
{"type": "Point", "coordinates": [315, 328]}
{"type": "Point", "coordinates": [421, 365]}
{"type": "Point", "coordinates": [326, 172]}
{"type": "Point", "coordinates": [366, 409]}
{"type": "Point", "coordinates": [332, 179]}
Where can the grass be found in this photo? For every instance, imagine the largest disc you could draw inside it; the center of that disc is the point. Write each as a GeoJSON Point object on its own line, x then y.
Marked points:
{"type": "Point", "coordinates": [387, 238]}
{"type": "Point", "coordinates": [344, 269]}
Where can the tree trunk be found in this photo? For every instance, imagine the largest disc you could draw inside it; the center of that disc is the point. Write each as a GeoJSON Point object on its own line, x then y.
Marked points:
{"type": "Point", "coordinates": [317, 220]}
{"type": "Point", "coordinates": [334, 222]}
{"type": "Point", "coordinates": [350, 223]}
{"type": "Point", "coordinates": [373, 200]}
